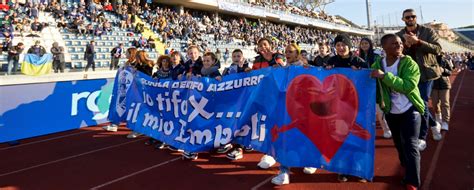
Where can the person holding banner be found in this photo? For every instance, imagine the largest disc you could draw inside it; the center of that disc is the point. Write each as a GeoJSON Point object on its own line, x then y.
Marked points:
{"type": "Point", "coordinates": [143, 64]}
{"type": "Point", "coordinates": [113, 126]}
{"type": "Point", "coordinates": [344, 58]}
{"type": "Point", "coordinates": [366, 52]}
{"type": "Point", "coordinates": [131, 57]}
{"type": "Point", "coordinates": [322, 59]}
{"type": "Point", "coordinates": [194, 63]}
{"type": "Point", "coordinates": [162, 67]}
{"type": "Point", "coordinates": [177, 69]}
{"type": "Point", "coordinates": [293, 58]}
{"type": "Point", "coordinates": [267, 58]}
{"type": "Point", "coordinates": [397, 81]}
{"type": "Point", "coordinates": [37, 49]}
{"type": "Point", "coordinates": [238, 65]}
{"type": "Point", "coordinates": [210, 70]}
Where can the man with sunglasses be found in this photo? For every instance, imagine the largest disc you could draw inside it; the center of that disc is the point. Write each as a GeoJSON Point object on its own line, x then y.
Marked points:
{"type": "Point", "coordinates": [422, 44]}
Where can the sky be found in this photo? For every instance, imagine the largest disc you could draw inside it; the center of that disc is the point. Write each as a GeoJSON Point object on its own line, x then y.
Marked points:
{"type": "Point", "coordinates": [455, 13]}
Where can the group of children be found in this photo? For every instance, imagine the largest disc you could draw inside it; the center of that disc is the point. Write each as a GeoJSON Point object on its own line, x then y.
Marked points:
{"type": "Point", "coordinates": [396, 76]}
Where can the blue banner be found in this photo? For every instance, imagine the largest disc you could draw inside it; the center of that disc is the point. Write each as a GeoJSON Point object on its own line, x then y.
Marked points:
{"type": "Point", "coordinates": [301, 116]}
{"type": "Point", "coordinates": [123, 80]}
{"type": "Point", "coordinates": [38, 109]}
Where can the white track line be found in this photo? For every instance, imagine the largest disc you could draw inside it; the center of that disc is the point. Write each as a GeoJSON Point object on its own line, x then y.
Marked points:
{"type": "Point", "coordinates": [135, 173]}
{"type": "Point", "coordinates": [67, 158]}
{"type": "Point", "coordinates": [45, 140]}
{"type": "Point", "coordinates": [432, 168]}
{"type": "Point", "coordinates": [262, 183]}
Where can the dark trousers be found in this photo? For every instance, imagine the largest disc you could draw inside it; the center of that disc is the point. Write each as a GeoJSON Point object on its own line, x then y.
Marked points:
{"type": "Point", "coordinates": [58, 66]}
{"type": "Point", "coordinates": [405, 129]}
{"type": "Point", "coordinates": [89, 64]}
{"type": "Point", "coordinates": [114, 63]}
{"type": "Point", "coordinates": [427, 120]}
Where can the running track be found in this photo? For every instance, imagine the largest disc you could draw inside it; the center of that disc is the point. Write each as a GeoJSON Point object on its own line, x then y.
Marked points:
{"type": "Point", "coordinates": [90, 158]}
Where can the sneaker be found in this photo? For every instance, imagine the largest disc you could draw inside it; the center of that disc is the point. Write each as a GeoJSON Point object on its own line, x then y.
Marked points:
{"type": "Point", "coordinates": [150, 141]}
{"type": "Point", "coordinates": [190, 156]}
{"type": "Point", "coordinates": [444, 126]}
{"type": "Point", "coordinates": [133, 135]}
{"type": "Point", "coordinates": [266, 162]}
{"type": "Point", "coordinates": [411, 187]}
{"type": "Point", "coordinates": [224, 149]}
{"type": "Point", "coordinates": [111, 128]}
{"type": "Point", "coordinates": [309, 170]}
{"type": "Point", "coordinates": [342, 178]}
{"type": "Point", "coordinates": [248, 149]}
{"type": "Point", "coordinates": [362, 180]}
{"type": "Point", "coordinates": [436, 131]}
{"type": "Point", "coordinates": [421, 144]}
{"type": "Point", "coordinates": [161, 146]}
{"type": "Point", "coordinates": [236, 154]}
{"type": "Point", "coordinates": [387, 134]}
{"type": "Point", "coordinates": [174, 149]}
{"type": "Point", "coordinates": [281, 179]}
{"type": "Point", "coordinates": [438, 118]}
{"type": "Point", "coordinates": [13, 143]}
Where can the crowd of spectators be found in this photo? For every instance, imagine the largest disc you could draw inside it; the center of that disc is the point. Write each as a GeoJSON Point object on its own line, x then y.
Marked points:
{"type": "Point", "coordinates": [244, 31]}
{"type": "Point", "coordinates": [290, 8]}
{"type": "Point", "coordinates": [190, 26]}
{"type": "Point", "coordinates": [22, 19]}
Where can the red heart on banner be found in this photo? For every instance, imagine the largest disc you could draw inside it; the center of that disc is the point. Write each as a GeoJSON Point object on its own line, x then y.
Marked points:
{"type": "Point", "coordinates": [324, 112]}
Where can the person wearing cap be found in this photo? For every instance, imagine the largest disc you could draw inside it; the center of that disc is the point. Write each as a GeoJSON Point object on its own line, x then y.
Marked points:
{"type": "Point", "coordinates": [37, 49]}
{"type": "Point", "coordinates": [344, 58]}
{"type": "Point", "coordinates": [116, 53]}
{"type": "Point", "coordinates": [89, 56]}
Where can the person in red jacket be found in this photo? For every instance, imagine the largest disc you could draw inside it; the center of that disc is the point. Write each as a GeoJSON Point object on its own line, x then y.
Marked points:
{"type": "Point", "coordinates": [267, 56]}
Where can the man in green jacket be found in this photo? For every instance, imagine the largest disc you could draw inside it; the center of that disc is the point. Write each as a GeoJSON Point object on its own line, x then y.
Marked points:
{"type": "Point", "coordinates": [422, 44]}
{"type": "Point", "coordinates": [398, 95]}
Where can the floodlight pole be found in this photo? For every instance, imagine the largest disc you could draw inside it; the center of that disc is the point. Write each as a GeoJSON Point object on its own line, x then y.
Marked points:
{"type": "Point", "coordinates": [367, 3]}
